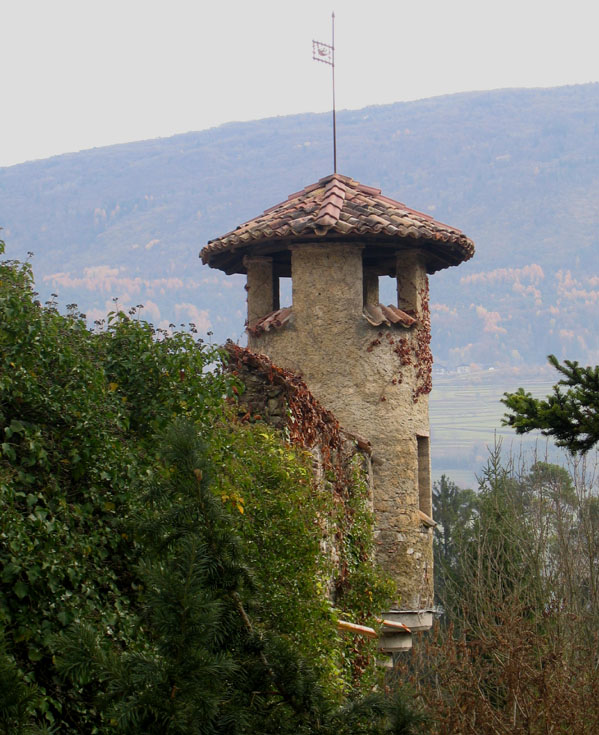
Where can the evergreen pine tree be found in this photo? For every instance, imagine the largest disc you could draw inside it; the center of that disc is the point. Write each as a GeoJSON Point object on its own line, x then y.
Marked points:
{"type": "Point", "coordinates": [453, 510]}
{"type": "Point", "coordinates": [17, 699]}
{"type": "Point", "coordinates": [570, 416]}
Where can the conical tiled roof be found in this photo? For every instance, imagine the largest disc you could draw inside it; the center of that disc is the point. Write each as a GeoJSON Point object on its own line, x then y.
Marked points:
{"type": "Point", "coordinates": [338, 208]}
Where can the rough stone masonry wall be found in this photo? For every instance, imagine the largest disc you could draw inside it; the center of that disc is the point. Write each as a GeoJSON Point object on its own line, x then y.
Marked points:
{"type": "Point", "coordinates": [282, 400]}
{"type": "Point", "coordinates": [375, 381]}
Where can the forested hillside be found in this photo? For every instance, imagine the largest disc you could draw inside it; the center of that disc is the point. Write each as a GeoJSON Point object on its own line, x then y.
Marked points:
{"type": "Point", "coordinates": [517, 170]}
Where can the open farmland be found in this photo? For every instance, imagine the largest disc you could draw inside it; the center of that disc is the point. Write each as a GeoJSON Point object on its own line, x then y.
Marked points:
{"type": "Point", "coordinates": [466, 413]}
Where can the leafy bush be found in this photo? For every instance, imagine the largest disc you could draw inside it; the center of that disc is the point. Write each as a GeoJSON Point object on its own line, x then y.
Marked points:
{"type": "Point", "coordinates": [287, 523]}
{"type": "Point", "coordinates": [75, 443]}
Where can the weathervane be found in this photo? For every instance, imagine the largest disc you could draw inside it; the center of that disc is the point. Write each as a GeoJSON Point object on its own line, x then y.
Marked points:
{"type": "Point", "coordinates": [326, 53]}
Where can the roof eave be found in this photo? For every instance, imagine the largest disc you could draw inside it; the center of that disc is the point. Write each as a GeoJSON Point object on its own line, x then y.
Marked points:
{"type": "Point", "coordinates": [437, 253]}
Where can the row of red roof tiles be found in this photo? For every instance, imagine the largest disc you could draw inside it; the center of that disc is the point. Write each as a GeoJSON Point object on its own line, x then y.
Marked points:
{"type": "Point", "coordinates": [376, 314]}
{"type": "Point", "coordinates": [340, 205]}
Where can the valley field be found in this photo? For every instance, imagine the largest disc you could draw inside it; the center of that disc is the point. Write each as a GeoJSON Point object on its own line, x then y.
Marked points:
{"type": "Point", "coordinates": [465, 416]}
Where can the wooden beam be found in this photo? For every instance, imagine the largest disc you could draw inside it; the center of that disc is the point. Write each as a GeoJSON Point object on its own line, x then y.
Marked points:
{"type": "Point", "coordinates": [394, 624]}
{"type": "Point", "coordinates": [426, 520]}
{"type": "Point", "coordinates": [358, 629]}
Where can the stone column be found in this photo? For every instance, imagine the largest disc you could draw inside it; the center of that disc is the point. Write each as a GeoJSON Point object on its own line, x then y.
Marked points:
{"type": "Point", "coordinates": [371, 289]}
{"type": "Point", "coordinates": [260, 287]}
{"type": "Point", "coordinates": [411, 276]}
{"type": "Point", "coordinates": [327, 287]}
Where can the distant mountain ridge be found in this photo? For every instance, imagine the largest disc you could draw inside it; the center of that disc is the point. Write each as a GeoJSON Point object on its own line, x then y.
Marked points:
{"type": "Point", "coordinates": [516, 170]}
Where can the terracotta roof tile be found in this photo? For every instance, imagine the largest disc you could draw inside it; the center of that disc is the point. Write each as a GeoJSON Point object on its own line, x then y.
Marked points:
{"type": "Point", "coordinates": [338, 206]}
{"type": "Point", "coordinates": [275, 320]}
{"type": "Point", "coordinates": [378, 314]}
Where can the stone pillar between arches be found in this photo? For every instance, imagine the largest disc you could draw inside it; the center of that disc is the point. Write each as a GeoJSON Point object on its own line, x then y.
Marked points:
{"type": "Point", "coordinates": [262, 288]}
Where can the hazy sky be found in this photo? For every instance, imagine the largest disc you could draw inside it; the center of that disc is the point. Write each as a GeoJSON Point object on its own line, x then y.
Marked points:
{"type": "Point", "coordinates": [76, 74]}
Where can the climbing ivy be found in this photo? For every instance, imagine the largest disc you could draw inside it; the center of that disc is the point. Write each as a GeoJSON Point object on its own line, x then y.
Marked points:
{"type": "Point", "coordinates": [315, 541]}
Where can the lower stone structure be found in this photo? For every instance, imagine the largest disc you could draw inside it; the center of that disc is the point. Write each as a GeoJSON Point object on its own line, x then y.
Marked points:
{"type": "Point", "coordinates": [375, 379]}
{"type": "Point", "coordinates": [281, 399]}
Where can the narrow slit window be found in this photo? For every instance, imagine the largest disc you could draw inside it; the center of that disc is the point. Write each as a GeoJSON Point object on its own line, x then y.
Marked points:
{"type": "Point", "coordinates": [285, 292]}
{"type": "Point", "coordinates": [387, 290]}
{"type": "Point", "coordinates": [425, 501]}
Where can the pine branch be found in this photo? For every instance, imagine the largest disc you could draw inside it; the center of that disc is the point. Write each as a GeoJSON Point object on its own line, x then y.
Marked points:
{"type": "Point", "coordinates": [570, 417]}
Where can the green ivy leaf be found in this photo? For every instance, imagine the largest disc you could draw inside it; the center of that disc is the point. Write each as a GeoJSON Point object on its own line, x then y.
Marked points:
{"type": "Point", "coordinates": [21, 589]}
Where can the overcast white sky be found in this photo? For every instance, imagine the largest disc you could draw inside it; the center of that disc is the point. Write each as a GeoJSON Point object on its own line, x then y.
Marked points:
{"type": "Point", "coordinates": [77, 74]}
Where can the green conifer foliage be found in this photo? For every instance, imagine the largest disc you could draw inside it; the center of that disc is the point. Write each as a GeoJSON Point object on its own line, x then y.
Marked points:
{"type": "Point", "coordinates": [454, 511]}
{"type": "Point", "coordinates": [570, 416]}
{"type": "Point", "coordinates": [17, 699]}
{"type": "Point", "coordinates": [179, 677]}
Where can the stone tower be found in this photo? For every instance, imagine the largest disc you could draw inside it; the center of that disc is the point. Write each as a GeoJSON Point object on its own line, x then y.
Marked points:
{"type": "Point", "coordinates": [368, 363]}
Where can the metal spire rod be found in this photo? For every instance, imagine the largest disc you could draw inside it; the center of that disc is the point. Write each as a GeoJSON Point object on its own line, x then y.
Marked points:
{"type": "Point", "coordinates": [326, 53]}
{"type": "Point", "coordinates": [333, 70]}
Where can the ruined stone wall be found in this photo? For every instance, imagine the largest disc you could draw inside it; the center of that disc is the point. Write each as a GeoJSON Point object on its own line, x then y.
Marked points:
{"type": "Point", "coordinates": [375, 380]}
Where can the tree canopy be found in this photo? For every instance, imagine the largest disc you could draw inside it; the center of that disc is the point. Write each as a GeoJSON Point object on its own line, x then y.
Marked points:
{"type": "Point", "coordinates": [520, 596]}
